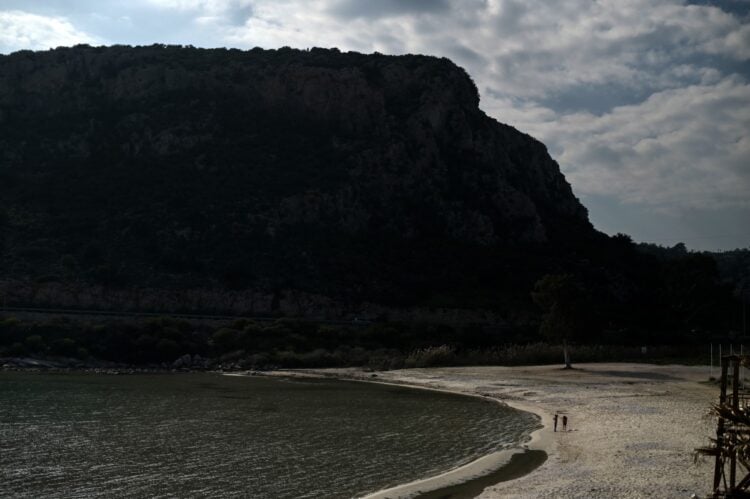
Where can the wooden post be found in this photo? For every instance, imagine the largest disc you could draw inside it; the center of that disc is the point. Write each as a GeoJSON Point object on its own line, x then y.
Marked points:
{"type": "Point", "coordinates": [736, 383]}
{"type": "Point", "coordinates": [735, 406]}
{"type": "Point", "coordinates": [719, 466]}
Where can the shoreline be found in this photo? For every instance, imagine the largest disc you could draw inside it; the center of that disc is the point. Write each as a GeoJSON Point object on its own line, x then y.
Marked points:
{"type": "Point", "coordinates": [454, 483]}
{"type": "Point", "coordinates": [467, 480]}
{"type": "Point", "coordinates": [487, 470]}
{"type": "Point", "coordinates": [632, 428]}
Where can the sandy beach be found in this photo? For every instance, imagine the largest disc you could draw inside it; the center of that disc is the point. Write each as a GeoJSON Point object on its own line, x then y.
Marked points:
{"type": "Point", "coordinates": [631, 432]}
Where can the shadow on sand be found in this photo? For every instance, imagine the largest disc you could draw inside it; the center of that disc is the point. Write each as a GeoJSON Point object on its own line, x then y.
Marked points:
{"type": "Point", "coordinates": [518, 466]}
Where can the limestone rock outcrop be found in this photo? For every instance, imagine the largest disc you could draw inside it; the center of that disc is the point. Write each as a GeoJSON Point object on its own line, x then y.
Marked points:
{"type": "Point", "coordinates": [335, 173]}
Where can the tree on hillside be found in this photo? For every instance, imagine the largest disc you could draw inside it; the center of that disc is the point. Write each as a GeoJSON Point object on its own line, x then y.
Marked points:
{"type": "Point", "coordinates": [693, 294]}
{"type": "Point", "coordinates": [563, 300]}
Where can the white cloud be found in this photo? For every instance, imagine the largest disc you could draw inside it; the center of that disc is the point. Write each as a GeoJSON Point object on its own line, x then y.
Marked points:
{"type": "Point", "coordinates": [219, 13]}
{"type": "Point", "coordinates": [546, 50]}
{"type": "Point", "coordinates": [736, 42]}
{"type": "Point", "coordinates": [203, 7]}
{"type": "Point", "coordinates": [529, 49]}
{"type": "Point", "coordinates": [680, 149]}
{"type": "Point", "coordinates": [191, 4]}
{"type": "Point", "coordinates": [22, 30]}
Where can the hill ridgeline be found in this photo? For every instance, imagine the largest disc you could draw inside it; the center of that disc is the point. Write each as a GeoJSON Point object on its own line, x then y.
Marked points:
{"type": "Point", "coordinates": [309, 183]}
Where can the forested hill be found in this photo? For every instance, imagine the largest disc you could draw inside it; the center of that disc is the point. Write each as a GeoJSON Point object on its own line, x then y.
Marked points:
{"type": "Point", "coordinates": [300, 183]}
{"type": "Point", "coordinates": [350, 176]}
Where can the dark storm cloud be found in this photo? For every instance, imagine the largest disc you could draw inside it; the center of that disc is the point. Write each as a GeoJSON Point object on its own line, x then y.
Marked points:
{"type": "Point", "coordinates": [463, 53]}
{"type": "Point", "coordinates": [597, 99]}
{"type": "Point", "coordinates": [509, 18]}
{"type": "Point", "coordinates": [740, 8]}
{"type": "Point", "coordinates": [352, 9]}
{"type": "Point", "coordinates": [237, 16]}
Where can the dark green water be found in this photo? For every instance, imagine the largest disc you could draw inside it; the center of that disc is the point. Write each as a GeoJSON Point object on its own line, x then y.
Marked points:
{"type": "Point", "coordinates": [205, 435]}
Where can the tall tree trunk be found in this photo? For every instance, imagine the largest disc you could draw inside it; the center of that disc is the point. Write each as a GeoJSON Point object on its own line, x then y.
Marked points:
{"type": "Point", "coordinates": [566, 354]}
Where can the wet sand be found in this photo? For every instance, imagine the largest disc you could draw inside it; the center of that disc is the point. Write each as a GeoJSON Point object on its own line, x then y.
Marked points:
{"type": "Point", "coordinates": [520, 464]}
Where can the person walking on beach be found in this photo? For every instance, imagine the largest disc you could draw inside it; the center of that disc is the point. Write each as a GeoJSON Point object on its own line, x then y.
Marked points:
{"type": "Point", "coordinates": [565, 423]}
{"type": "Point", "coordinates": [555, 420]}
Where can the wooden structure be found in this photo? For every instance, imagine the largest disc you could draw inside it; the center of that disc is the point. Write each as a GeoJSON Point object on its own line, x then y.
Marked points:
{"type": "Point", "coordinates": [732, 432]}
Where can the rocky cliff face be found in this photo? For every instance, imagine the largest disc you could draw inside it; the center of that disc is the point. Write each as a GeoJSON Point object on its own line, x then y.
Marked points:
{"type": "Point", "coordinates": [338, 173]}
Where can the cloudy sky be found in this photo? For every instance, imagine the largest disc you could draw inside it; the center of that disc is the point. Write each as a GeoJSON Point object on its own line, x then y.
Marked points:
{"type": "Point", "coordinates": [644, 103]}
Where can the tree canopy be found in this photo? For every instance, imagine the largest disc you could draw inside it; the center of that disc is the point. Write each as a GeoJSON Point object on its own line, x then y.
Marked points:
{"type": "Point", "coordinates": [564, 302]}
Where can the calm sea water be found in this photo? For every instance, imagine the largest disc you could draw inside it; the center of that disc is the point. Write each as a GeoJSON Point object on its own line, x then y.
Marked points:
{"type": "Point", "coordinates": [206, 435]}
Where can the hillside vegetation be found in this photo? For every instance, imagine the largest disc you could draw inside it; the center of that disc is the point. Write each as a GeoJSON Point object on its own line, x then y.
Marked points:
{"type": "Point", "coordinates": [310, 184]}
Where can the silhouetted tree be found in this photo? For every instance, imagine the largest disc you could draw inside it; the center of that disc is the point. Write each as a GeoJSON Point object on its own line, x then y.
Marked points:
{"type": "Point", "coordinates": [692, 291]}
{"type": "Point", "coordinates": [563, 300]}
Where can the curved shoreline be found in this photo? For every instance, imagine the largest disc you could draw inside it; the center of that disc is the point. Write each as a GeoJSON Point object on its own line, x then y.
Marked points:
{"type": "Point", "coordinates": [489, 465]}
{"type": "Point", "coordinates": [634, 426]}
{"type": "Point", "coordinates": [499, 466]}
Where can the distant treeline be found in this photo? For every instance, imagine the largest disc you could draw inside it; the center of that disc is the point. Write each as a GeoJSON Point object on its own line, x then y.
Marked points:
{"type": "Point", "coordinates": [282, 342]}
{"type": "Point", "coordinates": [630, 296]}
{"type": "Point", "coordinates": [246, 344]}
